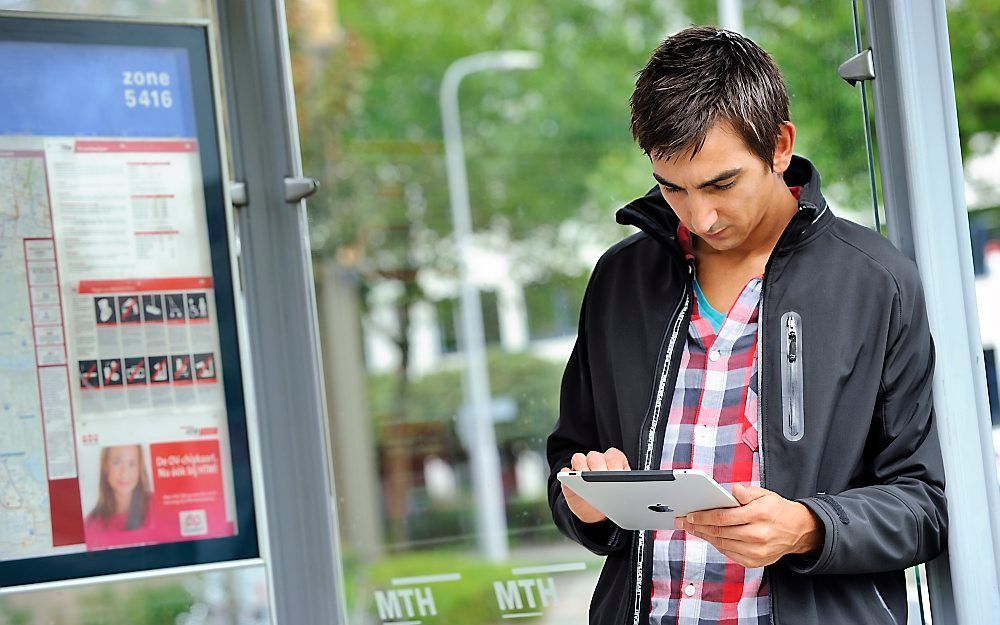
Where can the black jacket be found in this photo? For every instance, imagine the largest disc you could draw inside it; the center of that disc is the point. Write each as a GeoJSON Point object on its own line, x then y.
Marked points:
{"type": "Point", "coordinates": [846, 427]}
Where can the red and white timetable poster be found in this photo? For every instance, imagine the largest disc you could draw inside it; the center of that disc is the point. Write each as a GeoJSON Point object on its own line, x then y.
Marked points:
{"type": "Point", "coordinates": [113, 422]}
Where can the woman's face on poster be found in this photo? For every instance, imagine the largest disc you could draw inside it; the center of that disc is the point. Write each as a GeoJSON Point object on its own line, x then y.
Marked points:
{"type": "Point", "coordinates": [123, 469]}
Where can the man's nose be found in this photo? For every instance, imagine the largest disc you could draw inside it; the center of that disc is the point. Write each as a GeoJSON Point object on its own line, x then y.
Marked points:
{"type": "Point", "coordinates": [703, 216]}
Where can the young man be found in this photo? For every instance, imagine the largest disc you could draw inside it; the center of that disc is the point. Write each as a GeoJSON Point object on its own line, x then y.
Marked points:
{"type": "Point", "coordinates": [748, 332]}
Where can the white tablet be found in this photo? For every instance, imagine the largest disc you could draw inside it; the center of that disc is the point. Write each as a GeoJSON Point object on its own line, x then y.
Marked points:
{"type": "Point", "coordinates": [648, 500]}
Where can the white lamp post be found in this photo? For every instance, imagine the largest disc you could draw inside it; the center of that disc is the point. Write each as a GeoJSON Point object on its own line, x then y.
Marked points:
{"type": "Point", "coordinates": [731, 15]}
{"type": "Point", "coordinates": [491, 521]}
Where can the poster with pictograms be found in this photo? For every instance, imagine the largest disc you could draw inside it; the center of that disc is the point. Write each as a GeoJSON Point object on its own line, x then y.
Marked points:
{"type": "Point", "coordinates": [123, 411]}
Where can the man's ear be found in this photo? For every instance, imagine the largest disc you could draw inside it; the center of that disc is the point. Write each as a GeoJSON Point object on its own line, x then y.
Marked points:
{"type": "Point", "coordinates": [783, 148]}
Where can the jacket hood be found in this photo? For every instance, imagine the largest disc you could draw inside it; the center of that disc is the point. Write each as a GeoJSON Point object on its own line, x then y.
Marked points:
{"type": "Point", "coordinates": [653, 215]}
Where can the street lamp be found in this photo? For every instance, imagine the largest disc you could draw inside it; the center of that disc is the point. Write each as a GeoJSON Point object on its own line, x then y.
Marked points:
{"type": "Point", "coordinates": [491, 520]}
{"type": "Point", "coordinates": [731, 14]}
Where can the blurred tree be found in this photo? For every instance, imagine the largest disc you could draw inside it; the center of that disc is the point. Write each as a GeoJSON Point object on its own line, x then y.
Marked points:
{"type": "Point", "coordinates": [975, 58]}
{"type": "Point", "coordinates": [152, 603]}
{"type": "Point", "coordinates": [533, 383]}
{"type": "Point", "coordinates": [13, 615]}
{"type": "Point", "coordinates": [370, 116]}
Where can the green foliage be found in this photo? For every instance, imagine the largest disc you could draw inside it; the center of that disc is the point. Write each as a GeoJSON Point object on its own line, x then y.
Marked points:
{"type": "Point", "coordinates": [452, 523]}
{"type": "Point", "coordinates": [135, 604]}
{"type": "Point", "coordinates": [975, 59]}
{"type": "Point", "coordinates": [532, 382]}
{"type": "Point", "coordinates": [531, 516]}
{"type": "Point", "coordinates": [13, 615]}
{"type": "Point", "coordinates": [455, 523]}
{"type": "Point", "coordinates": [371, 118]}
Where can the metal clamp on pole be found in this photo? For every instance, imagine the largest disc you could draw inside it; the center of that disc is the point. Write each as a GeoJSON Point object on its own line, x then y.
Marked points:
{"type": "Point", "coordinates": [859, 67]}
{"type": "Point", "coordinates": [297, 189]}
{"type": "Point", "coordinates": [238, 193]}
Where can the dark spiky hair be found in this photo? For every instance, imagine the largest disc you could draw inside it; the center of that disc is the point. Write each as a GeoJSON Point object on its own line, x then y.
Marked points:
{"type": "Point", "coordinates": [702, 76]}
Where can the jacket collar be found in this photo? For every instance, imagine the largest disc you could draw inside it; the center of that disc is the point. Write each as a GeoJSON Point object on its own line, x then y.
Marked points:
{"type": "Point", "coordinates": [654, 216]}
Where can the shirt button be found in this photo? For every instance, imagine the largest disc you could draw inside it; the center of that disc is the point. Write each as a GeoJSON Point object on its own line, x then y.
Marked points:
{"type": "Point", "coordinates": [689, 590]}
{"type": "Point", "coordinates": [714, 355]}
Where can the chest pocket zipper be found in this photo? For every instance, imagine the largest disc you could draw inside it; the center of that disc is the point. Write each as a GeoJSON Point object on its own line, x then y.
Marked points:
{"type": "Point", "coordinates": [792, 419]}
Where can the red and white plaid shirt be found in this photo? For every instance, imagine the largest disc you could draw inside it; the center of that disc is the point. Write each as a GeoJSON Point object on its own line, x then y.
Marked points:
{"type": "Point", "coordinates": [712, 426]}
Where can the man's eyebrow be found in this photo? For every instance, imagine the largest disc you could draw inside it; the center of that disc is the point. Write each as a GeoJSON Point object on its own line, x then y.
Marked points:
{"type": "Point", "coordinates": [729, 173]}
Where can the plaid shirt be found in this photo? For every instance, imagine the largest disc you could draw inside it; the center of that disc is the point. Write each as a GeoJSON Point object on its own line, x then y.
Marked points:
{"type": "Point", "coordinates": [712, 427]}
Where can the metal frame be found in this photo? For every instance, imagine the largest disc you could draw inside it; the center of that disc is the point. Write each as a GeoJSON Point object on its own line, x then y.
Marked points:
{"type": "Point", "coordinates": [305, 576]}
{"type": "Point", "coordinates": [116, 578]}
{"type": "Point", "coordinates": [922, 183]}
{"type": "Point", "coordinates": [282, 374]}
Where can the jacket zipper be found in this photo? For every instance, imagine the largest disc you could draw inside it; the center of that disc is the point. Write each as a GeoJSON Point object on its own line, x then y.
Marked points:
{"type": "Point", "coordinates": [760, 420]}
{"type": "Point", "coordinates": [791, 376]}
{"type": "Point", "coordinates": [793, 414]}
{"type": "Point", "coordinates": [674, 326]}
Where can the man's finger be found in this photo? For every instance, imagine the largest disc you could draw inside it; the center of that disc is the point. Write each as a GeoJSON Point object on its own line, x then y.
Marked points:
{"type": "Point", "coordinates": [752, 533]}
{"type": "Point", "coordinates": [616, 460]}
{"type": "Point", "coordinates": [579, 462]}
{"type": "Point", "coordinates": [720, 516]}
{"type": "Point", "coordinates": [750, 555]}
{"type": "Point", "coordinates": [726, 544]}
{"type": "Point", "coordinates": [740, 494]}
{"type": "Point", "coordinates": [746, 494]}
{"type": "Point", "coordinates": [596, 461]}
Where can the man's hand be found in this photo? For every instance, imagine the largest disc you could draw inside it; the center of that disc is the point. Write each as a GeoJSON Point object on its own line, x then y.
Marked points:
{"type": "Point", "coordinates": [764, 528]}
{"type": "Point", "coordinates": [611, 460]}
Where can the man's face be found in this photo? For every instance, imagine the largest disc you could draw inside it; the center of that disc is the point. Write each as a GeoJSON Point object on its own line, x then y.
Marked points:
{"type": "Point", "coordinates": [722, 194]}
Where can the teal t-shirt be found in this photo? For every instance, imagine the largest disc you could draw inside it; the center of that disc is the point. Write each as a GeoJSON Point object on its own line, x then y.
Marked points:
{"type": "Point", "coordinates": [705, 309]}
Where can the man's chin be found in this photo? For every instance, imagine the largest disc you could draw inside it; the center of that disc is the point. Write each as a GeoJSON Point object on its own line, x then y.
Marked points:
{"type": "Point", "coordinates": [722, 243]}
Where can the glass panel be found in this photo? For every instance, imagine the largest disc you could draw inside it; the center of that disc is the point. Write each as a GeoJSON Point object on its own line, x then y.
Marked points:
{"type": "Point", "coordinates": [129, 8]}
{"type": "Point", "coordinates": [549, 160]}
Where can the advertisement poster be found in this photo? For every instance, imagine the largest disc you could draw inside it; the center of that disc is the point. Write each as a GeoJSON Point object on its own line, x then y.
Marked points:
{"type": "Point", "coordinates": [114, 412]}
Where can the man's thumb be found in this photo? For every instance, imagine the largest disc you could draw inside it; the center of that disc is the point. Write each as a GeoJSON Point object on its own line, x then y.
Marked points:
{"type": "Point", "coordinates": [746, 494]}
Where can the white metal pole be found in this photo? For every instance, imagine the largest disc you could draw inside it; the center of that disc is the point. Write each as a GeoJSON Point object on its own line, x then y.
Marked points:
{"type": "Point", "coordinates": [922, 183]}
{"type": "Point", "coordinates": [731, 15]}
{"type": "Point", "coordinates": [491, 520]}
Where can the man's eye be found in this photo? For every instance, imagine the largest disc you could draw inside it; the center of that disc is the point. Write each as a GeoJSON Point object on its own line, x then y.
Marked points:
{"type": "Point", "coordinates": [670, 189]}
{"type": "Point", "coordinates": [723, 187]}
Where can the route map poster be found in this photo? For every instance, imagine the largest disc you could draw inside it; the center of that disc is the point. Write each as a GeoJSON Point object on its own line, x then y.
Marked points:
{"type": "Point", "coordinates": [122, 423]}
